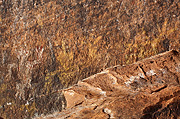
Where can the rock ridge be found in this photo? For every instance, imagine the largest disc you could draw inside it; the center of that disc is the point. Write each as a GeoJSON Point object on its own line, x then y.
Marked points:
{"type": "Point", "coordinates": [147, 89]}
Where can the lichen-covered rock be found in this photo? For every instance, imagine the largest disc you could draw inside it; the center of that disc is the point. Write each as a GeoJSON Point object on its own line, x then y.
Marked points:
{"type": "Point", "coordinates": [147, 89]}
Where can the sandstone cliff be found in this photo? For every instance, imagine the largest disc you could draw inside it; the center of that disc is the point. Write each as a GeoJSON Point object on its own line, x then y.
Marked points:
{"type": "Point", "coordinates": [148, 89]}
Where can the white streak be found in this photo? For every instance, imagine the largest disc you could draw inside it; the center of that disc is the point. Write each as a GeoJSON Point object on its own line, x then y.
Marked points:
{"type": "Point", "coordinates": [9, 103]}
{"type": "Point", "coordinates": [141, 75]}
{"type": "Point", "coordinates": [71, 93]}
{"type": "Point", "coordinates": [150, 73]}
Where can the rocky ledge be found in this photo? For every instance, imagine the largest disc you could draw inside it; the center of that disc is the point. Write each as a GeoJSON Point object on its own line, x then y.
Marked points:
{"type": "Point", "coordinates": [147, 89]}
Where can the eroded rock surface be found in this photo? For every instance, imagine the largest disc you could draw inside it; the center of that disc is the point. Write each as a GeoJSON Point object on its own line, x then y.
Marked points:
{"type": "Point", "coordinates": [49, 45]}
{"type": "Point", "coordinates": [148, 89]}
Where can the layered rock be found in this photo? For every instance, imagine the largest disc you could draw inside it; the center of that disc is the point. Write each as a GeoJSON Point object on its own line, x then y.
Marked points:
{"type": "Point", "coordinates": [148, 89]}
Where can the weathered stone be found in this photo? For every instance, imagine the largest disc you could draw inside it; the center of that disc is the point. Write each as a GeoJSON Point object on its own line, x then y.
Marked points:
{"type": "Point", "coordinates": [147, 89]}
{"type": "Point", "coordinates": [49, 45]}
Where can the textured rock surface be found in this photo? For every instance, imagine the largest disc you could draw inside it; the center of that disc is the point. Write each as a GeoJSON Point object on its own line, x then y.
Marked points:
{"type": "Point", "coordinates": [49, 45]}
{"type": "Point", "coordinates": [148, 89]}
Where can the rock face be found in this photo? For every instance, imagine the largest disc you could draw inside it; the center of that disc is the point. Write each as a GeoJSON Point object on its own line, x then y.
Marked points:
{"type": "Point", "coordinates": [148, 89]}
{"type": "Point", "coordinates": [50, 45]}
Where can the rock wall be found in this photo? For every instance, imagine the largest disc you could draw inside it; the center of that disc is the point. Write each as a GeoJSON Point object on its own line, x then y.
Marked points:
{"type": "Point", "coordinates": [148, 89]}
{"type": "Point", "coordinates": [46, 46]}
